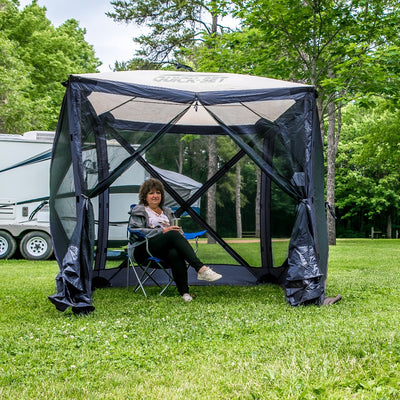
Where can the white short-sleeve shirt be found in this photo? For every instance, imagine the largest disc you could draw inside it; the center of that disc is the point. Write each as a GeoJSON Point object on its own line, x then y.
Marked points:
{"type": "Point", "coordinates": [157, 220]}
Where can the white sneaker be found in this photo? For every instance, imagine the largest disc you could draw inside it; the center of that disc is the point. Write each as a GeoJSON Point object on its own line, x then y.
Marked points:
{"type": "Point", "coordinates": [208, 275]}
{"type": "Point", "coordinates": [187, 297]}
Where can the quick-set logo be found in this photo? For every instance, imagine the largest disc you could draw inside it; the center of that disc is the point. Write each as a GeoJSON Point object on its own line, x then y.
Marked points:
{"type": "Point", "coordinates": [183, 78]}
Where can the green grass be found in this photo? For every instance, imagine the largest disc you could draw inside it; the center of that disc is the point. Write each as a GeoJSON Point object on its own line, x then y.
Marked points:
{"type": "Point", "coordinates": [215, 254]}
{"type": "Point", "coordinates": [229, 343]}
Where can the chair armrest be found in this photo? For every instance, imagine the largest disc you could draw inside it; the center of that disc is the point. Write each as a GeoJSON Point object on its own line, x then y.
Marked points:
{"type": "Point", "coordinates": [137, 233]}
{"type": "Point", "coordinates": [142, 236]}
{"type": "Point", "coordinates": [194, 235]}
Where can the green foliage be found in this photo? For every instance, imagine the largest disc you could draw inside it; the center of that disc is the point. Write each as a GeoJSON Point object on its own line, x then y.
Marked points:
{"type": "Point", "coordinates": [16, 109]}
{"type": "Point", "coordinates": [345, 49]}
{"type": "Point", "coordinates": [36, 59]}
{"type": "Point", "coordinates": [171, 26]}
{"type": "Point", "coordinates": [136, 64]}
{"type": "Point", "coordinates": [236, 52]}
{"type": "Point", "coordinates": [367, 166]}
{"type": "Point", "coordinates": [229, 343]}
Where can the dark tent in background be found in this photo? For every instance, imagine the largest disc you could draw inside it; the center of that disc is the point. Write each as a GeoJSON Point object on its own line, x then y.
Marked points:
{"type": "Point", "coordinates": [273, 124]}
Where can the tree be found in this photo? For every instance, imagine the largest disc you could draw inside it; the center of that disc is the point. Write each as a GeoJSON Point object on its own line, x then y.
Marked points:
{"type": "Point", "coordinates": [238, 202]}
{"type": "Point", "coordinates": [37, 58]}
{"type": "Point", "coordinates": [368, 179]}
{"type": "Point", "coordinates": [331, 45]}
{"type": "Point", "coordinates": [15, 107]}
{"type": "Point", "coordinates": [170, 25]}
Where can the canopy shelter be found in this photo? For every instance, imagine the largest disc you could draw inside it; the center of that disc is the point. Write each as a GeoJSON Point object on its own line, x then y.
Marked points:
{"type": "Point", "coordinates": [120, 120]}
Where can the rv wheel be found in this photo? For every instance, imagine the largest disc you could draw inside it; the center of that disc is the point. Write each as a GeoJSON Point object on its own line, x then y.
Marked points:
{"type": "Point", "coordinates": [8, 245]}
{"type": "Point", "coordinates": [36, 246]}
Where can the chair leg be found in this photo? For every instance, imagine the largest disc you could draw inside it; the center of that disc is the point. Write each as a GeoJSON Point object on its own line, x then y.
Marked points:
{"type": "Point", "coordinates": [147, 273]}
{"type": "Point", "coordinates": [131, 265]}
{"type": "Point", "coordinates": [170, 280]}
{"type": "Point", "coordinates": [127, 274]}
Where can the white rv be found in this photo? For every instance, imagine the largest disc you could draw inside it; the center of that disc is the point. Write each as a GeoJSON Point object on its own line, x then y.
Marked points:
{"type": "Point", "coordinates": [24, 190]}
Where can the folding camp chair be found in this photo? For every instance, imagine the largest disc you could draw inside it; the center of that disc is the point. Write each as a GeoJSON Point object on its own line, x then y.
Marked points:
{"type": "Point", "coordinates": [153, 266]}
{"type": "Point", "coordinates": [146, 270]}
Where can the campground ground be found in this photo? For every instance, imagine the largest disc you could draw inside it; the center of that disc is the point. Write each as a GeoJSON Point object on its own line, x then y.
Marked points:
{"type": "Point", "coordinates": [230, 343]}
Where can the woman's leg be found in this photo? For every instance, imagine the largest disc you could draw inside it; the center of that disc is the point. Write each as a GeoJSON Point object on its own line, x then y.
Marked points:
{"type": "Point", "coordinates": [161, 248]}
{"type": "Point", "coordinates": [179, 270]}
{"type": "Point", "coordinates": [159, 245]}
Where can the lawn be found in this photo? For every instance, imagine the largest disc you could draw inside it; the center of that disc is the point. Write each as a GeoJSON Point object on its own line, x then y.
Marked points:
{"type": "Point", "coordinates": [229, 343]}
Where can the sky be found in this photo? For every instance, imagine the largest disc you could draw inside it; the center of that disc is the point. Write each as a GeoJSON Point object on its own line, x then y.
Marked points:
{"type": "Point", "coordinates": [112, 41]}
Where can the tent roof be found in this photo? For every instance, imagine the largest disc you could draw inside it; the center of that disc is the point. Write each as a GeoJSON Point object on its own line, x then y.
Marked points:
{"type": "Point", "coordinates": [157, 97]}
{"type": "Point", "coordinates": [192, 81]}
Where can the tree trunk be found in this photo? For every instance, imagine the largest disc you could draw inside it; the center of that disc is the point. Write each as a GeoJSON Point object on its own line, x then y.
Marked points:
{"type": "Point", "coordinates": [211, 193]}
{"type": "Point", "coordinates": [239, 232]}
{"type": "Point", "coordinates": [212, 167]}
{"type": "Point", "coordinates": [321, 119]}
{"type": "Point", "coordinates": [389, 226]}
{"type": "Point", "coordinates": [330, 178]}
{"type": "Point", "coordinates": [257, 205]}
{"type": "Point", "coordinates": [180, 157]}
{"type": "Point", "coordinates": [214, 26]}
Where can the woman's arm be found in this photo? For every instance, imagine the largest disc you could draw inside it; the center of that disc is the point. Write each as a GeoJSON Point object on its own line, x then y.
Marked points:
{"type": "Point", "coordinates": [138, 221]}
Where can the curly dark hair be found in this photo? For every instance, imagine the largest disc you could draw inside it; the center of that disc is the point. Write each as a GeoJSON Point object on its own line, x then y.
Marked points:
{"type": "Point", "coordinates": [149, 185]}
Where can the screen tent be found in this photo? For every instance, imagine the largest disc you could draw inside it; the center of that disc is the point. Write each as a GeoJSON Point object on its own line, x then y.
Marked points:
{"type": "Point", "coordinates": [118, 124]}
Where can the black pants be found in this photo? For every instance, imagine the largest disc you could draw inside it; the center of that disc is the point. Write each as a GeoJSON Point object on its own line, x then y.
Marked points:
{"type": "Point", "coordinates": [175, 250]}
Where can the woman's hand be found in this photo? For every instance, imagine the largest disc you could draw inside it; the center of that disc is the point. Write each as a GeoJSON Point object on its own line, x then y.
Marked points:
{"type": "Point", "coordinates": [171, 228]}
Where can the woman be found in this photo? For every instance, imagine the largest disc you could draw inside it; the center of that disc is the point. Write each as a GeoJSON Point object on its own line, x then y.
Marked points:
{"type": "Point", "coordinates": [166, 240]}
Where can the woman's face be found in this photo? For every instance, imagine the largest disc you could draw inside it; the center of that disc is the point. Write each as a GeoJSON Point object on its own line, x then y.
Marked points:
{"type": "Point", "coordinates": [153, 198]}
